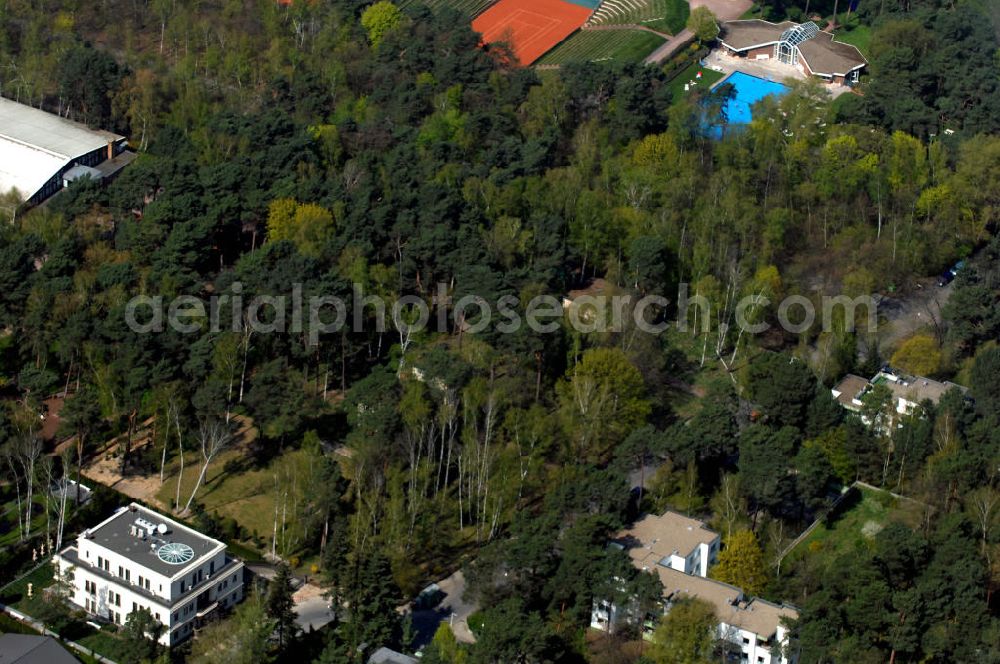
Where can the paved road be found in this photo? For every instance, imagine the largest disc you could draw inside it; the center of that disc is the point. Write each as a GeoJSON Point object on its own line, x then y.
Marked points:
{"type": "Point", "coordinates": [452, 609]}
{"type": "Point", "coordinates": [312, 610]}
{"type": "Point", "coordinates": [725, 10]}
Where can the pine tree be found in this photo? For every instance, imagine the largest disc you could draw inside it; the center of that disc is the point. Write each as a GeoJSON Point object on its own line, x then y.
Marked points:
{"type": "Point", "coordinates": [372, 599]}
{"type": "Point", "coordinates": [279, 604]}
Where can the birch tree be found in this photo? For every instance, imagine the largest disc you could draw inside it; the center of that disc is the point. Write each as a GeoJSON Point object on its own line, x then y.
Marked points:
{"type": "Point", "coordinates": [213, 436]}
{"type": "Point", "coordinates": [28, 449]}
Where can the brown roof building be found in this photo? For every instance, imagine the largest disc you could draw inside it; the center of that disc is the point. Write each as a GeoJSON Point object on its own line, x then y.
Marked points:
{"type": "Point", "coordinates": [908, 392]}
{"type": "Point", "coordinates": [679, 551]}
{"type": "Point", "coordinates": [800, 45]}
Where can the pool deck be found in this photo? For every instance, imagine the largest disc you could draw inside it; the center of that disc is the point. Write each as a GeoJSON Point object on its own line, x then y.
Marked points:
{"type": "Point", "coordinates": [769, 70]}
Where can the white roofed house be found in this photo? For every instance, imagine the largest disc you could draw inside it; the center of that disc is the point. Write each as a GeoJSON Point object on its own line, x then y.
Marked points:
{"type": "Point", "coordinates": [41, 152]}
{"type": "Point", "coordinates": [906, 393]}
{"type": "Point", "coordinates": [680, 550]}
{"type": "Point", "coordinates": [138, 559]}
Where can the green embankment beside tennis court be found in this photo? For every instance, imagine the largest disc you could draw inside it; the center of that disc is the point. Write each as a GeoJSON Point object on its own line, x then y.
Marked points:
{"type": "Point", "coordinates": [470, 8]}
{"type": "Point", "coordinates": [668, 16]}
{"type": "Point", "coordinates": [603, 46]}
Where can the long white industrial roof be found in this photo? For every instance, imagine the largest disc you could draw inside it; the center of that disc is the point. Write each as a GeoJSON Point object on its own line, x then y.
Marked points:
{"type": "Point", "coordinates": [35, 145]}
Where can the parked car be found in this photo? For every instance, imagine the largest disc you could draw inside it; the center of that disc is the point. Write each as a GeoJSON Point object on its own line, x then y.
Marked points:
{"type": "Point", "coordinates": [949, 275]}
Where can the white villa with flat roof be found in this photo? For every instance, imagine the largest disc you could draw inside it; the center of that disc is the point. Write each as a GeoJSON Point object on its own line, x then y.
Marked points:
{"type": "Point", "coordinates": [908, 392]}
{"type": "Point", "coordinates": [680, 550]}
{"type": "Point", "coordinates": [138, 558]}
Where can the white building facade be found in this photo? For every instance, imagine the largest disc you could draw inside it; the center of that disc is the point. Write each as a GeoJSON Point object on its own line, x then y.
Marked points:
{"type": "Point", "coordinates": [138, 559]}
{"type": "Point", "coordinates": [680, 552]}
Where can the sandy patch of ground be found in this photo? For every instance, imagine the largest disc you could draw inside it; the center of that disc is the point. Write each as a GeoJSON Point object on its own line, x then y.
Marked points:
{"type": "Point", "coordinates": [105, 466]}
{"type": "Point", "coordinates": [139, 487]}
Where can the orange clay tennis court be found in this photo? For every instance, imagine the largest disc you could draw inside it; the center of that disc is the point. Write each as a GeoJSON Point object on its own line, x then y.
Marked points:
{"type": "Point", "coordinates": [532, 27]}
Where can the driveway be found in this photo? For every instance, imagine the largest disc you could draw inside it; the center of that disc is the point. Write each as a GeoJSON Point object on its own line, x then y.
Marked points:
{"type": "Point", "coordinates": [724, 10]}
{"type": "Point", "coordinates": [312, 610]}
{"type": "Point", "coordinates": [919, 310]}
{"type": "Point", "coordinates": [451, 609]}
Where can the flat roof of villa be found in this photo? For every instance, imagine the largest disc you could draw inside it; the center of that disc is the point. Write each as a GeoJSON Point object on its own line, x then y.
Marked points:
{"type": "Point", "coordinates": [115, 534]}
{"type": "Point", "coordinates": [30, 649]}
{"type": "Point", "coordinates": [759, 616]}
{"type": "Point", "coordinates": [722, 596]}
{"type": "Point", "coordinates": [916, 388]}
{"type": "Point", "coordinates": [664, 535]}
{"type": "Point", "coordinates": [848, 389]}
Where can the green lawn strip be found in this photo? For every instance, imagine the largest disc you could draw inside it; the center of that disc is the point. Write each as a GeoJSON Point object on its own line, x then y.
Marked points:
{"type": "Point", "coordinates": [604, 46]}
{"type": "Point", "coordinates": [470, 8]}
{"type": "Point", "coordinates": [709, 77]}
{"type": "Point", "coordinates": [858, 35]}
{"type": "Point", "coordinates": [106, 643]}
{"type": "Point", "coordinates": [10, 510]}
{"type": "Point", "coordinates": [11, 626]}
{"type": "Point", "coordinates": [16, 594]}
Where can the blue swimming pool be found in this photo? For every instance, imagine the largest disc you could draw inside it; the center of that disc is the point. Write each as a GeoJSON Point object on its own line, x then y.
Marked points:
{"type": "Point", "coordinates": [748, 90]}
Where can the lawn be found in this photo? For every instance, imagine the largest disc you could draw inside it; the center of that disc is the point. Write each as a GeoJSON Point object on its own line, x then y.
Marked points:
{"type": "Point", "coordinates": [106, 643]}
{"type": "Point", "coordinates": [603, 46]}
{"type": "Point", "coordinates": [232, 490]}
{"type": "Point", "coordinates": [470, 8]}
{"type": "Point", "coordinates": [9, 513]}
{"type": "Point", "coordinates": [10, 626]}
{"type": "Point", "coordinates": [861, 518]}
{"type": "Point", "coordinates": [856, 35]}
{"type": "Point", "coordinates": [664, 15]}
{"type": "Point", "coordinates": [709, 78]}
{"type": "Point", "coordinates": [16, 594]}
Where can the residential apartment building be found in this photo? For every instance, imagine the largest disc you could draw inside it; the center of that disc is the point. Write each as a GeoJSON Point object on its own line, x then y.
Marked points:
{"type": "Point", "coordinates": [138, 558]}
{"type": "Point", "coordinates": [680, 552]}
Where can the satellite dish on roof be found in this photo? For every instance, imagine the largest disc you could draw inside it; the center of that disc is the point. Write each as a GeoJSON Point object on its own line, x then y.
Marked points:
{"type": "Point", "coordinates": [162, 529]}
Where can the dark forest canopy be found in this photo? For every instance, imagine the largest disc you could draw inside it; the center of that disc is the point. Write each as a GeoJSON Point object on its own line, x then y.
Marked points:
{"type": "Point", "coordinates": [280, 146]}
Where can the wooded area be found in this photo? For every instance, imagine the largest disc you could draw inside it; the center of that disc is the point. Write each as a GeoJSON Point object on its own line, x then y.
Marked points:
{"type": "Point", "coordinates": [300, 144]}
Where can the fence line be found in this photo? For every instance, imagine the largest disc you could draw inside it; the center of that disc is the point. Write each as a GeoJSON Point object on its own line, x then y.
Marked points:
{"type": "Point", "coordinates": [40, 627]}
{"type": "Point", "coordinates": [44, 561]}
{"type": "Point", "coordinates": [43, 630]}
{"type": "Point", "coordinates": [812, 526]}
{"type": "Point", "coordinates": [854, 485]}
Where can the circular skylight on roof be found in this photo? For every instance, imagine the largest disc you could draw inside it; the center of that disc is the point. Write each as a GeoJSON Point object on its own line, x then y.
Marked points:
{"type": "Point", "coordinates": [175, 553]}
